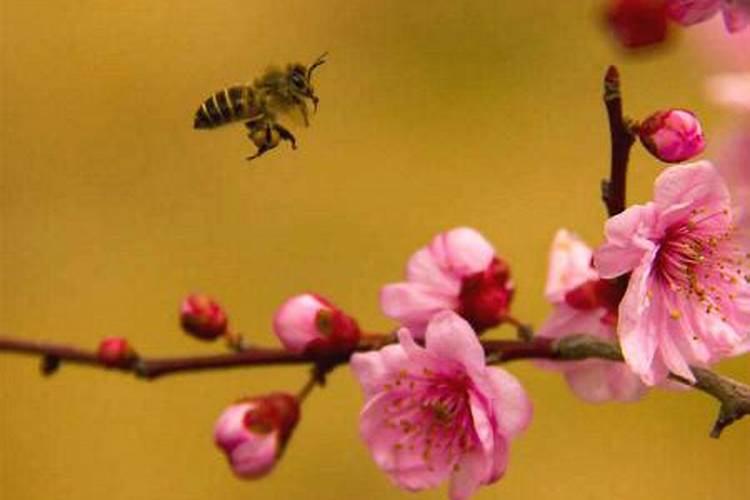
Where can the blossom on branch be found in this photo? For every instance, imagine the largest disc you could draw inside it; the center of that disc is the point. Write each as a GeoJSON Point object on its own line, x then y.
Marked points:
{"type": "Point", "coordinates": [585, 304]}
{"type": "Point", "coordinates": [437, 412]}
{"type": "Point", "coordinates": [736, 13]}
{"type": "Point", "coordinates": [672, 136]}
{"type": "Point", "coordinates": [253, 433]}
{"type": "Point", "coordinates": [688, 298]}
{"type": "Point", "coordinates": [202, 317]}
{"type": "Point", "coordinates": [310, 323]}
{"type": "Point", "coordinates": [459, 271]}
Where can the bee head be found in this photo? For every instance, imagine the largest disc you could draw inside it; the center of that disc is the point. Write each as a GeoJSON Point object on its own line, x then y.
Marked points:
{"type": "Point", "coordinates": [300, 80]}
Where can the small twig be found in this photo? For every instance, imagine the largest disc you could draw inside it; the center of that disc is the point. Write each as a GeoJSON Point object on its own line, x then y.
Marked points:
{"type": "Point", "coordinates": [622, 139]}
{"type": "Point", "coordinates": [733, 396]}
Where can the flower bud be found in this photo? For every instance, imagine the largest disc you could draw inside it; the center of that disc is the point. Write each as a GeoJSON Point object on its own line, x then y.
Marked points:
{"type": "Point", "coordinates": [637, 23]}
{"type": "Point", "coordinates": [202, 317]}
{"type": "Point", "coordinates": [254, 432]}
{"type": "Point", "coordinates": [310, 323]}
{"type": "Point", "coordinates": [673, 136]}
{"type": "Point", "coordinates": [115, 351]}
{"type": "Point", "coordinates": [485, 296]}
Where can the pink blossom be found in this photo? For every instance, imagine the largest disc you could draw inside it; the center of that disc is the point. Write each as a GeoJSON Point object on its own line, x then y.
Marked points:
{"type": "Point", "coordinates": [585, 304]}
{"type": "Point", "coordinates": [310, 323]}
{"type": "Point", "coordinates": [673, 136]}
{"type": "Point", "coordinates": [438, 412]}
{"type": "Point", "coordinates": [688, 298]}
{"type": "Point", "coordinates": [253, 433]}
{"type": "Point", "coordinates": [458, 271]}
{"type": "Point", "coordinates": [203, 317]}
{"type": "Point", "coordinates": [736, 13]}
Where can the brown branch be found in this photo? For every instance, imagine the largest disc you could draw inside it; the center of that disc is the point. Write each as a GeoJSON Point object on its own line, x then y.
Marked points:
{"type": "Point", "coordinates": [733, 396]}
{"type": "Point", "coordinates": [622, 139]}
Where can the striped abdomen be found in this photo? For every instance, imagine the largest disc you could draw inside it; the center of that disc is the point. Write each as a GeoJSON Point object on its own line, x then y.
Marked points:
{"type": "Point", "coordinates": [225, 106]}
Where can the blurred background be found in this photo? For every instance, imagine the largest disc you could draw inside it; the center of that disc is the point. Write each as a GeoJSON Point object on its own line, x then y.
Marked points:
{"type": "Point", "coordinates": [433, 115]}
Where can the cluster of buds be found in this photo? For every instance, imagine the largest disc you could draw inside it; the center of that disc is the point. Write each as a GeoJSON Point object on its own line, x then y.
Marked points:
{"type": "Point", "coordinates": [253, 433]}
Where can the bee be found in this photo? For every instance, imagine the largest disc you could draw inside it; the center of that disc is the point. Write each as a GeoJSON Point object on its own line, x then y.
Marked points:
{"type": "Point", "coordinates": [277, 92]}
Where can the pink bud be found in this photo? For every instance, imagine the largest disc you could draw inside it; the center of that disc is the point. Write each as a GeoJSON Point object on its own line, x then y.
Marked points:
{"type": "Point", "coordinates": [673, 136]}
{"type": "Point", "coordinates": [637, 23]}
{"type": "Point", "coordinates": [202, 317]}
{"type": "Point", "coordinates": [485, 296]}
{"type": "Point", "coordinates": [310, 323]}
{"type": "Point", "coordinates": [115, 351]}
{"type": "Point", "coordinates": [253, 433]}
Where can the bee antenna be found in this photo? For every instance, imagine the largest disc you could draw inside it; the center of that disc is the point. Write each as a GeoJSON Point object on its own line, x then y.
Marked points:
{"type": "Point", "coordinates": [320, 60]}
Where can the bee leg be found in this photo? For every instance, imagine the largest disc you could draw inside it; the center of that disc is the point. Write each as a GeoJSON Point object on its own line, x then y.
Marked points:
{"type": "Point", "coordinates": [286, 135]}
{"type": "Point", "coordinates": [305, 114]}
{"type": "Point", "coordinates": [263, 137]}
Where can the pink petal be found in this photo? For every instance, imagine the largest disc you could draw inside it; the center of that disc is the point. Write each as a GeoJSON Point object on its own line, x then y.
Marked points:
{"type": "Point", "coordinates": [468, 252]}
{"type": "Point", "coordinates": [566, 320]}
{"type": "Point", "coordinates": [414, 304]}
{"type": "Point", "coordinates": [483, 428]}
{"type": "Point", "coordinates": [294, 322]}
{"type": "Point", "coordinates": [624, 385]}
{"type": "Point", "coordinates": [229, 430]}
{"type": "Point", "coordinates": [511, 405]}
{"type": "Point", "coordinates": [626, 244]}
{"type": "Point", "coordinates": [471, 473]}
{"type": "Point", "coordinates": [424, 268]}
{"type": "Point", "coordinates": [731, 90]}
{"type": "Point", "coordinates": [500, 459]}
{"type": "Point", "coordinates": [690, 185]}
{"type": "Point", "coordinates": [736, 15]}
{"type": "Point", "coordinates": [449, 336]}
{"type": "Point", "coordinates": [689, 12]}
{"type": "Point", "coordinates": [569, 265]}
{"type": "Point", "coordinates": [405, 467]}
{"type": "Point", "coordinates": [589, 382]}
{"type": "Point", "coordinates": [635, 326]}
{"type": "Point", "coordinates": [256, 456]}
{"type": "Point", "coordinates": [373, 368]}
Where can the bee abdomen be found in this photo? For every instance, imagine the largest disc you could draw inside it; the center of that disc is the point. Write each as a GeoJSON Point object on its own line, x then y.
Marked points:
{"type": "Point", "coordinates": [225, 106]}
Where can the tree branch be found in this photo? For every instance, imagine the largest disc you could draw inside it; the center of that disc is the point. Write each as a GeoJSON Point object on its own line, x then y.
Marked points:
{"type": "Point", "coordinates": [733, 396]}
{"type": "Point", "coordinates": [622, 139]}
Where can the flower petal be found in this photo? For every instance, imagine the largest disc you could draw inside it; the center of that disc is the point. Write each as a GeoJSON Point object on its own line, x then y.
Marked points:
{"type": "Point", "coordinates": [512, 407]}
{"type": "Point", "coordinates": [374, 368]}
{"type": "Point", "coordinates": [635, 328]}
{"type": "Point", "coordinates": [470, 474]}
{"type": "Point", "coordinates": [450, 336]}
{"type": "Point", "coordinates": [627, 241]}
{"type": "Point", "coordinates": [696, 184]}
{"type": "Point", "coordinates": [413, 304]}
{"type": "Point", "coordinates": [569, 265]}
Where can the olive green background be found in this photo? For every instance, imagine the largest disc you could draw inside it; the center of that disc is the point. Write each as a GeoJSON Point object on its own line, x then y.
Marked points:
{"type": "Point", "coordinates": [433, 115]}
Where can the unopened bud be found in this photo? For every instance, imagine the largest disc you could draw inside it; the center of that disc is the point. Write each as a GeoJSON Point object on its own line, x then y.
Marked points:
{"type": "Point", "coordinates": [310, 323]}
{"type": "Point", "coordinates": [673, 136]}
{"type": "Point", "coordinates": [254, 432]}
{"type": "Point", "coordinates": [637, 23]}
{"type": "Point", "coordinates": [202, 317]}
{"type": "Point", "coordinates": [115, 351]}
{"type": "Point", "coordinates": [485, 296]}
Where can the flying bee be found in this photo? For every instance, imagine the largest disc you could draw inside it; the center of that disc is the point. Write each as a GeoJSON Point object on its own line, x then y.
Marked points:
{"type": "Point", "coordinates": [277, 92]}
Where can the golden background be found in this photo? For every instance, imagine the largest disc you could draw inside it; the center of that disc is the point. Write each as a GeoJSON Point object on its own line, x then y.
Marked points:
{"type": "Point", "coordinates": [433, 115]}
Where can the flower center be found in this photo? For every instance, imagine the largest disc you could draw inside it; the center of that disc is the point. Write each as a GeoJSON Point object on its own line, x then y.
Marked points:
{"type": "Point", "coordinates": [485, 296]}
{"type": "Point", "coordinates": [431, 416]}
{"type": "Point", "coordinates": [595, 294]}
{"type": "Point", "coordinates": [700, 260]}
